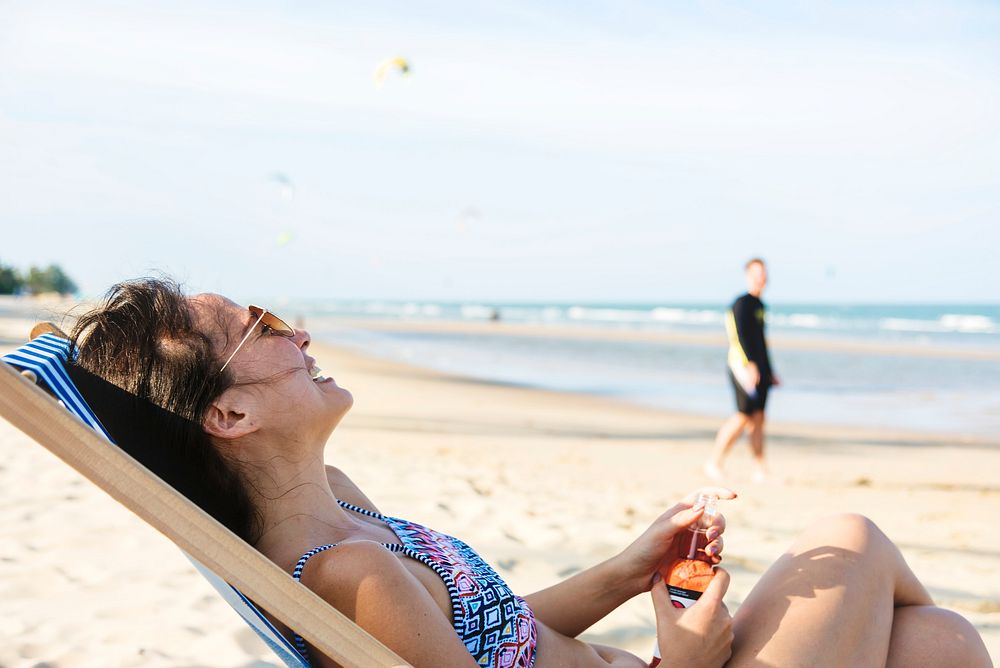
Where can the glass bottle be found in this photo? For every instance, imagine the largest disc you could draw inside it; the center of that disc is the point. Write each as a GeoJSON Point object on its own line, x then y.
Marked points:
{"type": "Point", "coordinates": [686, 579]}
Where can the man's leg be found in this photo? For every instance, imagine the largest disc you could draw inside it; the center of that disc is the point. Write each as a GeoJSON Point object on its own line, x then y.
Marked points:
{"type": "Point", "coordinates": [728, 433]}
{"type": "Point", "coordinates": [757, 445]}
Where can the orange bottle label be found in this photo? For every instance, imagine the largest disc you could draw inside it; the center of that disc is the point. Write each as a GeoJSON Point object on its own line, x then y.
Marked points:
{"type": "Point", "coordinates": [686, 579]}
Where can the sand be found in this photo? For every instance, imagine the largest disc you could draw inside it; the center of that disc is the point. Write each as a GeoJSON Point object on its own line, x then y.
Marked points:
{"type": "Point", "coordinates": [541, 483]}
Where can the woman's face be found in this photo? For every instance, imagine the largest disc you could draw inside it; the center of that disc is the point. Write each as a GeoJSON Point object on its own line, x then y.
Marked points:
{"type": "Point", "coordinates": [279, 379]}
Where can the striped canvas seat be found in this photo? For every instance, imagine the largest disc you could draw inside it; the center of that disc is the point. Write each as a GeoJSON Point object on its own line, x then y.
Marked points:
{"type": "Point", "coordinates": [45, 357]}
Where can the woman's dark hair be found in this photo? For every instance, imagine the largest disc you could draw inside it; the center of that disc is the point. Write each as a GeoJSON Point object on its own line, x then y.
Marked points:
{"type": "Point", "coordinates": [156, 376]}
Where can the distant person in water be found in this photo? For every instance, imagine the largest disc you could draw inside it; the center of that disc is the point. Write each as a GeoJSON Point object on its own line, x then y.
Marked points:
{"type": "Point", "coordinates": [750, 373]}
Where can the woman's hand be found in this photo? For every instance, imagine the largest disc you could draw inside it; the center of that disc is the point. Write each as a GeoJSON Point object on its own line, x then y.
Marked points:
{"type": "Point", "coordinates": [574, 605]}
{"type": "Point", "coordinates": [664, 541]}
{"type": "Point", "coordinates": [700, 636]}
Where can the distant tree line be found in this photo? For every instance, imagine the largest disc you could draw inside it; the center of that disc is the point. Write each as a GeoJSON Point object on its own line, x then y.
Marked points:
{"type": "Point", "coordinates": [36, 281]}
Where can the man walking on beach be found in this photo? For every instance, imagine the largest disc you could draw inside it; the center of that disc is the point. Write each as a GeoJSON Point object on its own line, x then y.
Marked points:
{"type": "Point", "coordinates": [749, 372]}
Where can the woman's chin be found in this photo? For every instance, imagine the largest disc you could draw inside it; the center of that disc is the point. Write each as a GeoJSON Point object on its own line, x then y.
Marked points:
{"type": "Point", "coordinates": [345, 400]}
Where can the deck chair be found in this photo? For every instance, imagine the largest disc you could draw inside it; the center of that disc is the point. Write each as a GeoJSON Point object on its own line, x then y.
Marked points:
{"type": "Point", "coordinates": [38, 396]}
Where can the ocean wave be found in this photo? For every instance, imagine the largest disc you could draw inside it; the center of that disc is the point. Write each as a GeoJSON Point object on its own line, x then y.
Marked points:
{"type": "Point", "coordinates": [803, 320]}
{"type": "Point", "coordinates": [477, 312]}
{"type": "Point", "coordinates": [687, 316]}
{"type": "Point", "coordinates": [391, 309]}
{"type": "Point", "coordinates": [597, 314]}
{"type": "Point", "coordinates": [947, 323]}
{"type": "Point", "coordinates": [658, 315]}
{"type": "Point", "coordinates": [899, 320]}
{"type": "Point", "coordinates": [979, 324]}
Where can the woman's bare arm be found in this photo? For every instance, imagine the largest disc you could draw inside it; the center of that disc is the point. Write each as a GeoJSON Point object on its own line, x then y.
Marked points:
{"type": "Point", "coordinates": [574, 605]}
{"type": "Point", "coordinates": [371, 586]}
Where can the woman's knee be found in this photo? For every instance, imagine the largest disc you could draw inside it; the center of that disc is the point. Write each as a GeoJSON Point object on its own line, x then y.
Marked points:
{"type": "Point", "coordinates": [863, 554]}
{"type": "Point", "coordinates": [845, 530]}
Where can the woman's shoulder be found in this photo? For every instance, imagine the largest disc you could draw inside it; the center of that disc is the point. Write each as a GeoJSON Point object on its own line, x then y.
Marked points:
{"type": "Point", "coordinates": [370, 585]}
{"type": "Point", "coordinates": [340, 570]}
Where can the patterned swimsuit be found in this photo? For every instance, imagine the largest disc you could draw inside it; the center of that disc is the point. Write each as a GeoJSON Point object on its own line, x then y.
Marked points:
{"type": "Point", "coordinates": [497, 627]}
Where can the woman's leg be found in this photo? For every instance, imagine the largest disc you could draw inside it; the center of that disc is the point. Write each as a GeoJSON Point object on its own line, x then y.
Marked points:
{"type": "Point", "coordinates": [929, 637]}
{"type": "Point", "coordinates": [830, 600]}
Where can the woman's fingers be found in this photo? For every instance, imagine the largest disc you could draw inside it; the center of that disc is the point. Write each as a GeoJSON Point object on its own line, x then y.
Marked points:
{"type": "Point", "coordinates": [691, 499]}
{"type": "Point", "coordinates": [721, 492]}
{"type": "Point", "coordinates": [714, 549]}
{"type": "Point", "coordinates": [698, 635]}
{"type": "Point", "coordinates": [718, 526]}
{"type": "Point", "coordinates": [684, 518]}
{"type": "Point", "coordinates": [717, 587]}
{"type": "Point", "coordinates": [661, 600]}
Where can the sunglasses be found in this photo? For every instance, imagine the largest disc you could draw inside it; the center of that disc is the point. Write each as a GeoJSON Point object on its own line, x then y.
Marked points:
{"type": "Point", "coordinates": [273, 326]}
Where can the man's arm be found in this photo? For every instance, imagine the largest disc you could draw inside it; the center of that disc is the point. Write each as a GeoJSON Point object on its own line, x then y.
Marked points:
{"type": "Point", "coordinates": [741, 353]}
{"type": "Point", "coordinates": [742, 317]}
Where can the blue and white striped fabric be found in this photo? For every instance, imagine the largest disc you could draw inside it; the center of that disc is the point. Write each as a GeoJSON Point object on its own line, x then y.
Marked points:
{"type": "Point", "coordinates": [46, 356]}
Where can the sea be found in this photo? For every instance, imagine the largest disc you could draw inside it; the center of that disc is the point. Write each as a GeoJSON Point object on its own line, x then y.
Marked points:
{"type": "Point", "coordinates": [924, 367]}
{"type": "Point", "coordinates": [932, 368]}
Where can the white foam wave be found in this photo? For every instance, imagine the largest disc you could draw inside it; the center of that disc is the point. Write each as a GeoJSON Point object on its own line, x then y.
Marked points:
{"type": "Point", "coordinates": [477, 312]}
{"type": "Point", "coordinates": [909, 325]}
{"type": "Point", "coordinates": [951, 322]}
{"type": "Point", "coordinates": [686, 316]}
{"type": "Point", "coordinates": [977, 324]}
{"type": "Point", "coordinates": [918, 322]}
{"type": "Point", "coordinates": [607, 314]}
{"type": "Point", "coordinates": [802, 320]}
{"type": "Point", "coordinates": [390, 309]}
{"type": "Point", "coordinates": [658, 315]}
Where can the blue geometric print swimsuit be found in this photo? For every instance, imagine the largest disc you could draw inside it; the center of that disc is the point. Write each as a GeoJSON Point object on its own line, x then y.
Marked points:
{"type": "Point", "coordinates": [496, 626]}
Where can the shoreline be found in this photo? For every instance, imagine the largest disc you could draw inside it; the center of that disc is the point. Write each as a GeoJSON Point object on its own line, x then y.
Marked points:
{"type": "Point", "coordinates": [14, 328]}
{"type": "Point", "coordinates": [776, 429]}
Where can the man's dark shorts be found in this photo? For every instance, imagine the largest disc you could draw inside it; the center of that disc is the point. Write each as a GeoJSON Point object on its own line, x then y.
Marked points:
{"type": "Point", "coordinates": [744, 402]}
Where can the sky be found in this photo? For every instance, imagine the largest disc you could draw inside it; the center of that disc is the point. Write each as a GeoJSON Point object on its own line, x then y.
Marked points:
{"type": "Point", "coordinates": [577, 151]}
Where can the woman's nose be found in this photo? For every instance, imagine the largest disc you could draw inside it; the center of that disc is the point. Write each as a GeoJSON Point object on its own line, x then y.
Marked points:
{"type": "Point", "coordinates": [302, 338]}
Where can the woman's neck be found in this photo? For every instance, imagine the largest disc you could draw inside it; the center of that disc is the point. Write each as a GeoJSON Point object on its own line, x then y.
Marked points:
{"type": "Point", "coordinates": [295, 502]}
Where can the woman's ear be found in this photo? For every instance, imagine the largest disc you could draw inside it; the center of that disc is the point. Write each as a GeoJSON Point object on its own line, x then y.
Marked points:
{"type": "Point", "coordinates": [231, 416]}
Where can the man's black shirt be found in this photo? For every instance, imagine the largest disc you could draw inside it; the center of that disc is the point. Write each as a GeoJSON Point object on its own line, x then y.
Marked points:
{"type": "Point", "coordinates": [748, 314]}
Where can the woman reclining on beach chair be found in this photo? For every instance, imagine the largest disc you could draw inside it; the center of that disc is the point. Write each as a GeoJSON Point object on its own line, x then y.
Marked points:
{"type": "Point", "coordinates": [254, 417]}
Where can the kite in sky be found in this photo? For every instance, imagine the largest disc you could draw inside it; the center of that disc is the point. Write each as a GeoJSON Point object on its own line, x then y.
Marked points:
{"type": "Point", "coordinates": [397, 63]}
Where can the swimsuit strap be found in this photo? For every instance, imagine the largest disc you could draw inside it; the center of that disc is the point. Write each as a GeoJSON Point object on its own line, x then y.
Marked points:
{"type": "Point", "coordinates": [412, 551]}
{"type": "Point", "coordinates": [486, 615]}
{"type": "Point", "coordinates": [300, 564]}
{"type": "Point", "coordinates": [300, 643]}
{"type": "Point", "coordinates": [359, 509]}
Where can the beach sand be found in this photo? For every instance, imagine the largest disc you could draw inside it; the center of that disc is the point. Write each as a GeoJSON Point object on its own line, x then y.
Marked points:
{"type": "Point", "coordinates": [543, 484]}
